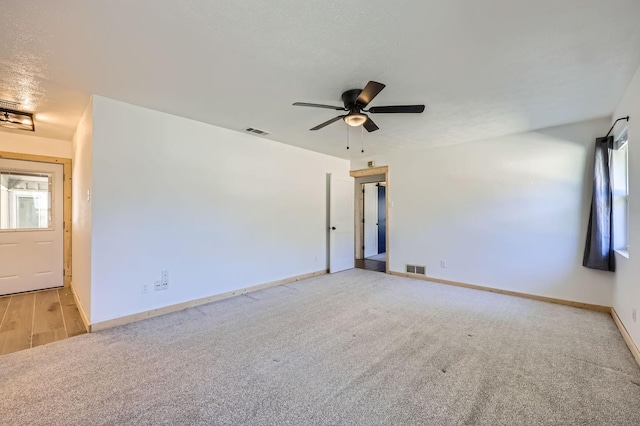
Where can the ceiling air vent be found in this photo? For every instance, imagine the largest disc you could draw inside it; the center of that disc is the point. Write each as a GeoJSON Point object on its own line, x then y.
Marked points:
{"type": "Point", "coordinates": [13, 119]}
{"type": "Point", "coordinates": [256, 131]}
{"type": "Point", "coordinates": [8, 104]}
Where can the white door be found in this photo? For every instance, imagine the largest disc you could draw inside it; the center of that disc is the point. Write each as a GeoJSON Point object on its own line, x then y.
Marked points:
{"type": "Point", "coordinates": [370, 219]}
{"type": "Point", "coordinates": [31, 226]}
{"type": "Point", "coordinates": [341, 226]}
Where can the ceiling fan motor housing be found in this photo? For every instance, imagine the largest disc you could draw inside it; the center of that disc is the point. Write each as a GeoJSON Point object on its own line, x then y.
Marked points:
{"type": "Point", "coordinates": [349, 99]}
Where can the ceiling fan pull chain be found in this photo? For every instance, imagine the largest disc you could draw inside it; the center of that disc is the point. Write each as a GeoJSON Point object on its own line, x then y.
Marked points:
{"type": "Point", "coordinates": [347, 137]}
{"type": "Point", "coordinates": [362, 138]}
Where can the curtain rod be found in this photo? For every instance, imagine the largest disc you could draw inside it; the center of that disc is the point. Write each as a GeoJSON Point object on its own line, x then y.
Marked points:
{"type": "Point", "coordinates": [614, 124]}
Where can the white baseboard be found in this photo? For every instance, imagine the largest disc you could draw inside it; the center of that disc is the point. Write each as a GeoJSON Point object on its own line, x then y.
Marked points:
{"type": "Point", "coordinates": [190, 304]}
{"type": "Point", "coordinates": [589, 306]}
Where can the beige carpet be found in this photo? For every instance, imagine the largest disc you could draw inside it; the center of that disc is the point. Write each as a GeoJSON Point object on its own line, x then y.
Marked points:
{"type": "Point", "coordinates": [356, 347]}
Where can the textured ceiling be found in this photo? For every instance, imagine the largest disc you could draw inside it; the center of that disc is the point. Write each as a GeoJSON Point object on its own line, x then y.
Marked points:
{"type": "Point", "coordinates": [483, 69]}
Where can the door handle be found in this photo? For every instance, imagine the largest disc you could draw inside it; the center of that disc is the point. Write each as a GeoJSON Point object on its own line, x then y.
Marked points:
{"type": "Point", "coordinates": [333, 228]}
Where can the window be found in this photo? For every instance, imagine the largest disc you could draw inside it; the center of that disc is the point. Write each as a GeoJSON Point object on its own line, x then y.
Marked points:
{"type": "Point", "coordinates": [25, 200]}
{"type": "Point", "coordinates": [620, 173]}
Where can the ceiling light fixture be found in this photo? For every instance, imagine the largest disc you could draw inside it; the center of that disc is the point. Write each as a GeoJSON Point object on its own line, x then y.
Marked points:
{"type": "Point", "coordinates": [355, 119]}
{"type": "Point", "coordinates": [16, 119]}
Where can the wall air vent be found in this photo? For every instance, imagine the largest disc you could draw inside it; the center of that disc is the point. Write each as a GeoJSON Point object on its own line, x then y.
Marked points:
{"type": "Point", "coordinates": [256, 131]}
{"type": "Point", "coordinates": [415, 269]}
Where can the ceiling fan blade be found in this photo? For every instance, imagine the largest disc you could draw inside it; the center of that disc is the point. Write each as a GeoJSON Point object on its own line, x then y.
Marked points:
{"type": "Point", "coordinates": [396, 109]}
{"type": "Point", "coordinates": [305, 104]}
{"type": "Point", "coordinates": [369, 92]}
{"type": "Point", "coordinates": [370, 125]}
{"type": "Point", "coordinates": [326, 123]}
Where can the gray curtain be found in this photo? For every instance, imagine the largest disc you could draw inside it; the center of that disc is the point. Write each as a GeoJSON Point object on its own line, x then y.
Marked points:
{"type": "Point", "coordinates": [598, 252]}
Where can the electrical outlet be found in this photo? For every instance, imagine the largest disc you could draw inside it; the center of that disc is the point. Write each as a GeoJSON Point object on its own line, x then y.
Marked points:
{"type": "Point", "coordinates": [443, 263]}
{"type": "Point", "coordinates": [144, 289]}
{"type": "Point", "coordinates": [157, 285]}
{"type": "Point", "coordinates": [164, 281]}
{"type": "Point", "coordinates": [633, 314]}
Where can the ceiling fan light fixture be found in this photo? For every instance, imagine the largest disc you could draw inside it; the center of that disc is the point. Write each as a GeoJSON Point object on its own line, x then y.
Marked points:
{"type": "Point", "coordinates": [355, 119]}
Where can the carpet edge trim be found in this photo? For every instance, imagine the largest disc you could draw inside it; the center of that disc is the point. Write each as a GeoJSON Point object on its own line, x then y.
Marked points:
{"type": "Point", "coordinates": [582, 305]}
{"type": "Point", "coordinates": [626, 336]}
{"type": "Point", "coordinates": [115, 322]}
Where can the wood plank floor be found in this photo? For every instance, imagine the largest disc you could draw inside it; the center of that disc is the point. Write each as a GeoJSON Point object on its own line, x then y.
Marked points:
{"type": "Point", "coordinates": [371, 265]}
{"type": "Point", "coordinates": [32, 319]}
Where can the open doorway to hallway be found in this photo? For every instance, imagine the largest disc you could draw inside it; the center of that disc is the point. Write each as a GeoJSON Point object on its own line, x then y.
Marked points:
{"type": "Point", "coordinates": [371, 236]}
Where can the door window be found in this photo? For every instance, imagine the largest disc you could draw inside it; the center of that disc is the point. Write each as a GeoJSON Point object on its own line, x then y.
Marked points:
{"type": "Point", "coordinates": [25, 200]}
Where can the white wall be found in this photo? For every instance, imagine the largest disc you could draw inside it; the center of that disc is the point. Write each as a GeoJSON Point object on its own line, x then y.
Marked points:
{"type": "Point", "coordinates": [509, 213]}
{"type": "Point", "coordinates": [220, 210]}
{"type": "Point", "coordinates": [626, 294]}
{"type": "Point", "coordinates": [28, 143]}
{"type": "Point", "coordinates": [81, 210]}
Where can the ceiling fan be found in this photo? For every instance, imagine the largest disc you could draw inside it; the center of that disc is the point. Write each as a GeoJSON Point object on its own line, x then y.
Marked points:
{"type": "Point", "coordinates": [355, 101]}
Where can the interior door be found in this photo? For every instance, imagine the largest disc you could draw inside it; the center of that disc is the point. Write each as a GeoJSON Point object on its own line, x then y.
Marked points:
{"type": "Point", "coordinates": [382, 219]}
{"type": "Point", "coordinates": [341, 224]}
{"type": "Point", "coordinates": [370, 219]}
{"type": "Point", "coordinates": [31, 226]}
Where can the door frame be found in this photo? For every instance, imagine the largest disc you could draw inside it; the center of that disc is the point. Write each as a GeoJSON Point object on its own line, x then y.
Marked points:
{"type": "Point", "coordinates": [361, 212]}
{"type": "Point", "coordinates": [382, 170]}
{"type": "Point", "coordinates": [66, 205]}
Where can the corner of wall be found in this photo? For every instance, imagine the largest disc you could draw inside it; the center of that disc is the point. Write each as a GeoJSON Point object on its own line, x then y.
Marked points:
{"type": "Point", "coordinates": [626, 296]}
{"type": "Point", "coordinates": [81, 222]}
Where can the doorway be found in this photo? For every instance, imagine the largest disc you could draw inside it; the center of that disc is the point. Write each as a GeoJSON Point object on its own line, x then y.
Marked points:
{"type": "Point", "coordinates": [371, 212]}
{"type": "Point", "coordinates": [34, 238]}
{"type": "Point", "coordinates": [373, 235]}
